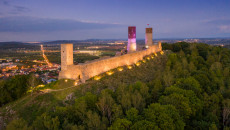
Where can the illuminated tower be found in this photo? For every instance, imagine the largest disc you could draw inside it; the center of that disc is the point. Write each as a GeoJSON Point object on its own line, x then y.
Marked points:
{"type": "Point", "coordinates": [131, 47]}
{"type": "Point", "coordinates": [66, 56]}
{"type": "Point", "coordinates": [159, 46]}
{"type": "Point", "coordinates": [148, 37]}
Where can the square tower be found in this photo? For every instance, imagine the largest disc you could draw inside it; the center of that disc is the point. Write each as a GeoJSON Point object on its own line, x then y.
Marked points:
{"type": "Point", "coordinates": [148, 37]}
{"type": "Point", "coordinates": [131, 47]}
{"type": "Point", "coordinates": [66, 56]}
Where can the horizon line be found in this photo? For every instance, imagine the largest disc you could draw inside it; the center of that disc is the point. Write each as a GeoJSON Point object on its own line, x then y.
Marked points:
{"type": "Point", "coordinates": [120, 39]}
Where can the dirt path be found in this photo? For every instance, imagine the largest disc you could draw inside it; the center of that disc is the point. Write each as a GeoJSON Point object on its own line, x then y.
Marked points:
{"type": "Point", "coordinates": [53, 90]}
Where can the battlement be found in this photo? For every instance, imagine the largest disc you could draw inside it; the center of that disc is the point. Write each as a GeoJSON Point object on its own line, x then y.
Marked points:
{"type": "Point", "coordinates": [86, 71]}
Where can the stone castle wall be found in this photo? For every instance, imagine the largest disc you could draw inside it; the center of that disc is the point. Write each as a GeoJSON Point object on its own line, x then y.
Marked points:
{"type": "Point", "coordinates": [88, 70]}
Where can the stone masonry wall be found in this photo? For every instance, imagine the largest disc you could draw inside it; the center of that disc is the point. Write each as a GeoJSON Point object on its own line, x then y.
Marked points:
{"type": "Point", "coordinates": [87, 70]}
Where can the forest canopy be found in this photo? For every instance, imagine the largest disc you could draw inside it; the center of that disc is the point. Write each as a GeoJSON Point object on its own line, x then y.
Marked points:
{"type": "Point", "coordinates": [186, 88]}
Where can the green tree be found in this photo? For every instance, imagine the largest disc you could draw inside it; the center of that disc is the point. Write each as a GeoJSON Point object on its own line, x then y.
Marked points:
{"type": "Point", "coordinates": [213, 127]}
{"type": "Point", "coordinates": [13, 88]}
{"type": "Point", "coordinates": [117, 112]}
{"type": "Point", "coordinates": [121, 124]}
{"type": "Point", "coordinates": [105, 104]}
{"type": "Point", "coordinates": [145, 125]}
{"type": "Point", "coordinates": [184, 100]}
{"type": "Point", "coordinates": [164, 116]}
{"type": "Point", "coordinates": [132, 115]}
{"type": "Point", "coordinates": [46, 122]}
{"type": "Point", "coordinates": [168, 78]}
{"type": "Point", "coordinates": [93, 121]}
{"type": "Point", "coordinates": [156, 89]}
{"type": "Point", "coordinates": [180, 102]}
{"type": "Point", "coordinates": [32, 82]}
{"type": "Point", "coordinates": [18, 124]}
{"type": "Point", "coordinates": [226, 113]}
{"type": "Point", "coordinates": [189, 83]}
{"type": "Point", "coordinates": [69, 126]}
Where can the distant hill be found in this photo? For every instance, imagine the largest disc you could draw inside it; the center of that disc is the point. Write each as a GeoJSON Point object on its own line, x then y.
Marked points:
{"type": "Point", "coordinates": [18, 45]}
{"type": "Point", "coordinates": [227, 46]}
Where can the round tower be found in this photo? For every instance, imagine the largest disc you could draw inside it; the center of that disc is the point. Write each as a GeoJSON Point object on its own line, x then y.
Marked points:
{"type": "Point", "coordinates": [66, 56]}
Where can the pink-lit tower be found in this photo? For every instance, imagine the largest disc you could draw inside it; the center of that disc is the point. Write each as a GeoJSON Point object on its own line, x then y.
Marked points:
{"type": "Point", "coordinates": [131, 47]}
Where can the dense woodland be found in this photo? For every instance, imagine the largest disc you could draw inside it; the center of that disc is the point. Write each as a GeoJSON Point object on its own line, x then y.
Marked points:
{"type": "Point", "coordinates": [186, 88]}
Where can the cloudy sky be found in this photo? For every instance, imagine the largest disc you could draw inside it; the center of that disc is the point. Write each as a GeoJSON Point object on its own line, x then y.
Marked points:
{"type": "Point", "coordinates": [39, 20]}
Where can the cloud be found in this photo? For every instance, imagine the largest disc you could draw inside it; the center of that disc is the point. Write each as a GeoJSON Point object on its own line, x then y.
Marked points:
{"type": "Point", "coordinates": [219, 22]}
{"type": "Point", "coordinates": [5, 2]}
{"type": "Point", "coordinates": [10, 8]}
{"type": "Point", "coordinates": [21, 9]}
{"type": "Point", "coordinates": [219, 25]}
{"type": "Point", "coordinates": [18, 10]}
{"type": "Point", "coordinates": [225, 28]}
{"type": "Point", "coordinates": [32, 24]}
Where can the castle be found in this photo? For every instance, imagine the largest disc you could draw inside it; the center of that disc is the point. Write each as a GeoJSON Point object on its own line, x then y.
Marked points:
{"type": "Point", "coordinates": [85, 71]}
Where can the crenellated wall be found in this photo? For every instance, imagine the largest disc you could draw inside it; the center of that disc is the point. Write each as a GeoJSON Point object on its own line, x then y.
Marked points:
{"type": "Point", "coordinates": [88, 70]}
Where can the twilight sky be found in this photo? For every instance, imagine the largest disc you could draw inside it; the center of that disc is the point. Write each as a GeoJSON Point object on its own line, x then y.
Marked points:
{"type": "Point", "coordinates": [38, 20]}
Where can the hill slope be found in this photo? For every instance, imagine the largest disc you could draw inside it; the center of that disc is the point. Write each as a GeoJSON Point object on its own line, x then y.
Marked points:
{"type": "Point", "coordinates": [186, 89]}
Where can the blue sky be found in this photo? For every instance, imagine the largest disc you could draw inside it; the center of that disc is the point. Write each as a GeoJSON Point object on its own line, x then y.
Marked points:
{"type": "Point", "coordinates": [37, 20]}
